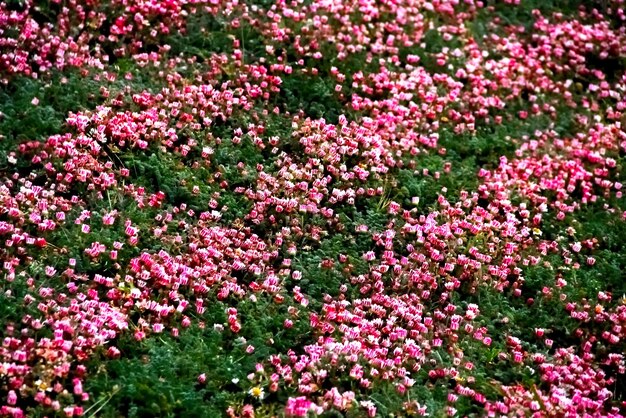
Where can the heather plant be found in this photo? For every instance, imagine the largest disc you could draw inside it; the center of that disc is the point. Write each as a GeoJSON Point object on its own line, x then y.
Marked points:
{"type": "Point", "coordinates": [304, 208]}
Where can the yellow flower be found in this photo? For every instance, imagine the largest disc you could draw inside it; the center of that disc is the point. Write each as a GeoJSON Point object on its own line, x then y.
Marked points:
{"type": "Point", "coordinates": [257, 392]}
{"type": "Point", "coordinates": [41, 385]}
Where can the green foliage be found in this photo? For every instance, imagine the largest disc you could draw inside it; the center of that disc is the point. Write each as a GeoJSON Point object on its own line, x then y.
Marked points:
{"type": "Point", "coordinates": [158, 378]}
{"type": "Point", "coordinates": [20, 120]}
{"type": "Point", "coordinates": [523, 14]}
{"type": "Point", "coordinates": [313, 94]}
{"type": "Point", "coordinates": [205, 34]}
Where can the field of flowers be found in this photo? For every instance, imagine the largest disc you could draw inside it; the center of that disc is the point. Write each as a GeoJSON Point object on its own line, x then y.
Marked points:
{"type": "Point", "coordinates": [290, 208]}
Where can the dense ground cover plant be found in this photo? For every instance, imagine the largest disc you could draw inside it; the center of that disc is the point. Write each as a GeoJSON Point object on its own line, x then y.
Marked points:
{"type": "Point", "coordinates": [349, 208]}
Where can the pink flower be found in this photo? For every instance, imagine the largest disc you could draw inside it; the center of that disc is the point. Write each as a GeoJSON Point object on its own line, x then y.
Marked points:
{"type": "Point", "coordinates": [12, 398]}
{"type": "Point", "coordinates": [299, 407]}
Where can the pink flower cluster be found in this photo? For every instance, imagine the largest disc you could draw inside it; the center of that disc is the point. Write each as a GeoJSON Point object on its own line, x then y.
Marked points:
{"type": "Point", "coordinates": [398, 321]}
{"type": "Point", "coordinates": [34, 41]}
